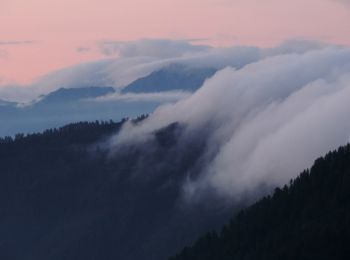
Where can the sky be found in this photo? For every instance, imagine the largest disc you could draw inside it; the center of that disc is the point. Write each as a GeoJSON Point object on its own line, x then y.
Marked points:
{"type": "Point", "coordinates": [39, 36]}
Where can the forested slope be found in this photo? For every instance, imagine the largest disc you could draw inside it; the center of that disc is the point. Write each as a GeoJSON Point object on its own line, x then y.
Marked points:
{"type": "Point", "coordinates": [308, 219]}
{"type": "Point", "coordinates": [64, 194]}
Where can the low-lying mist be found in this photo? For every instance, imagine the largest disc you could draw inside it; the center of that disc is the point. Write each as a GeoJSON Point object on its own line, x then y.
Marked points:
{"type": "Point", "coordinates": [262, 123]}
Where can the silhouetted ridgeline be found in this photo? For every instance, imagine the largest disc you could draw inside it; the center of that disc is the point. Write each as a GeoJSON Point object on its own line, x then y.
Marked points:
{"type": "Point", "coordinates": [76, 133]}
{"type": "Point", "coordinates": [309, 219]}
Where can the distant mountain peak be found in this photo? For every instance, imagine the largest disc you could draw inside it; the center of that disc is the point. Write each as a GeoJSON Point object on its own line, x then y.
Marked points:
{"type": "Point", "coordinates": [172, 77]}
{"type": "Point", "coordinates": [63, 95]}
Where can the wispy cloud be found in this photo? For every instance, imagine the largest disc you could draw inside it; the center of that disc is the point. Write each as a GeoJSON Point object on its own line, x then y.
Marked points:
{"type": "Point", "coordinates": [16, 42]}
{"type": "Point", "coordinates": [159, 48]}
{"type": "Point", "coordinates": [166, 96]}
{"type": "Point", "coordinates": [345, 2]}
{"type": "Point", "coordinates": [82, 49]}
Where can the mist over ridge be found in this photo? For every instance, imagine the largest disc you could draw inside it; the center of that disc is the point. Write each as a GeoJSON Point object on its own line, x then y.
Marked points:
{"type": "Point", "coordinates": [259, 108]}
{"type": "Point", "coordinates": [263, 122]}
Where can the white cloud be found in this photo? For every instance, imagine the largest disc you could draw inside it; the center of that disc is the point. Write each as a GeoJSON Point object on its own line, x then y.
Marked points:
{"type": "Point", "coordinates": [269, 120]}
{"type": "Point", "coordinates": [16, 93]}
{"type": "Point", "coordinates": [119, 72]}
{"type": "Point", "coordinates": [156, 48]}
{"type": "Point", "coordinates": [165, 96]}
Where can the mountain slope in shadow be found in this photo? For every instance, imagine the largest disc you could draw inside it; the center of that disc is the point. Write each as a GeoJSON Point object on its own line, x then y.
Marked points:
{"type": "Point", "coordinates": [309, 219]}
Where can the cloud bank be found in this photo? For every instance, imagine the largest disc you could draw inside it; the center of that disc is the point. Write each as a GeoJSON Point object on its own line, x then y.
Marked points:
{"type": "Point", "coordinates": [265, 121]}
{"type": "Point", "coordinates": [157, 48]}
{"type": "Point", "coordinates": [134, 63]}
{"type": "Point", "coordinates": [140, 58]}
{"type": "Point", "coordinates": [165, 96]}
{"type": "Point", "coordinates": [267, 113]}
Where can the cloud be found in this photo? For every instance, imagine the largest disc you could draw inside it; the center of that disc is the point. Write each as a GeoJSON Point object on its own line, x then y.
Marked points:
{"type": "Point", "coordinates": [82, 49]}
{"type": "Point", "coordinates": [265, 122]}
{"type": "Point", "coordinates": [121, 71]}
{"type": "Point", "coordinates": [4, 44]}
{"type": "Point", "coordinates": [142, 57]}
{"type": "Point", "coordinates": [166, 96]}
{"type": "Point", "coordinates": [267, 114]}
{"type": "Point", "coordinates": [157, 48]}
{"type": "Point", "coordinates": [81, 75]}
{"type": "Point", "coordinates": [297, 46]}
{"type": "Point", "coordinates": [342, 1]}
{"type": "Point", "coordinates": [11, 92]}
{"type": "Point", "coordinates": [16, 42]}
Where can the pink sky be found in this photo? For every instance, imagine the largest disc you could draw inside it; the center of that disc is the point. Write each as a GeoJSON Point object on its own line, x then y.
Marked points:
{"type": "Point", "coordinates": [47, 33]}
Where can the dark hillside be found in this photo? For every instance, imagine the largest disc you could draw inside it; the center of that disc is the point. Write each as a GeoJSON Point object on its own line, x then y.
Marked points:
{"type": "Point", "coordinates": [63, 196]}
{"type": "Point", "coordinates": [309, 219]}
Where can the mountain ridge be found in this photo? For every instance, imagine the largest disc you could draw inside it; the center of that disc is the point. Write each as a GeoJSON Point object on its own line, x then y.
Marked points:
{"type": "Point", "coordinates": [64, 95]}
{"type": "Point", "coordinates": [172, 77]}
{"type": "Point", "coordinates": [67, 105]}
{"type": "Point", "coordinates": [307, 219]}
